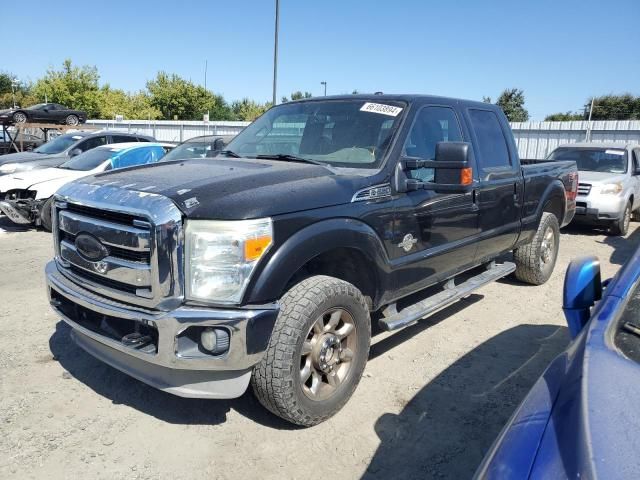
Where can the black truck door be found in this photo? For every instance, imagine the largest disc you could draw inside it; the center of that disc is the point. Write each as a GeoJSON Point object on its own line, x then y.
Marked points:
{"type": "Point", "coordinates": [501, 186]}
{"type": "Point", "coordinates": [434, 233]}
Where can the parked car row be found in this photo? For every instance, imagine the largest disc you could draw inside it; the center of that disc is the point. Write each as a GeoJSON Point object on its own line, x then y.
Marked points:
{"type": "Point", "coordinates": [28, 180]}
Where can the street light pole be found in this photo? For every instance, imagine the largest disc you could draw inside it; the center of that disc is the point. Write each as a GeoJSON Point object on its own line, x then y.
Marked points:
{"type": "Point", "coordinates": [14, 84]}
{"type": "Point", "coordinates": [275, 51]}
{"type": "Point", "coordinates": [325, 87]}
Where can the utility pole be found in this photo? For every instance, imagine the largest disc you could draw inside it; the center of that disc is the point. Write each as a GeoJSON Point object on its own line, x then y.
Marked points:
{"type": "Point", "coordinates": [588, 136]}
{"type": "Point", "coordinates": [205, 81]}
{"type": "Point", "coordinates": [14, 85]}
{"type": "Point", "coordinates": [325, 87]}
{"type": "Point", "coordinates": [275, 51]}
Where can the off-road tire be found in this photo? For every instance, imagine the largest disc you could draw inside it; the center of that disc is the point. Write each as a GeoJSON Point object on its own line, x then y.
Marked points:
{"type": "Point", "coordinates": [45, 215]}
{"type": "Point", "coordinates": [276, 379]}
{"type": "Point", "coordinates": [621, 226]}
{"type": "Point", "coordinates": [530, 267]}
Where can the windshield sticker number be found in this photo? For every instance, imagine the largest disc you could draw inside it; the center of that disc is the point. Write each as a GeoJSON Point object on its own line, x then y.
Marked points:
{"type": "Point", "coordinates": [381, 108]}
{"type": "Point", "coordinates": [614, 152]}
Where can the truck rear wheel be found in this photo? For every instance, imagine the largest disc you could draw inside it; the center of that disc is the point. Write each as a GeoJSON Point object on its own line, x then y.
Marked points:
{"type": "Point", "coordinates": [536, 260]}
{"type": "Point", "coordinates": [45, 214]}
{"type": "Point", "coordinates": [317, 352]}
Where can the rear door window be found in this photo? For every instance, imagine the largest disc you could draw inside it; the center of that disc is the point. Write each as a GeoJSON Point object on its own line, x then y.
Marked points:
{"type": "Point", "coordinates": [122, 139]}
{"type": "Point", "coordinates": [92, 142]}
{"type": "Point", "coordinates": [491, 145]}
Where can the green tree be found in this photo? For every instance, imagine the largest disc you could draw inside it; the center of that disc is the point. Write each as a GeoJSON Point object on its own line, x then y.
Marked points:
{"type": "Point", "coordinates": [511, 101]}
{"type": "Point", "coordinates": [22, 91]}
{"type": "Point", "coordinates": [175, 96]}
{"type": "Point", "coordinates": [564, 117]}
{"type": "Point", "coordinates": [72, 86]}
{"type": "Point", "coordinates": [614, 107]}
{"type": "Point", "coordinates": [297, 95]}
{"type": "Point", "coordinates": [248, 110]}
{"type": "Point", "coordinates": [131, 105]}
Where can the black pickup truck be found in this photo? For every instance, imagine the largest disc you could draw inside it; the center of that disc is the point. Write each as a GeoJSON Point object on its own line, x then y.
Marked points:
{"type": "Point", "coordinates": [266, 264]}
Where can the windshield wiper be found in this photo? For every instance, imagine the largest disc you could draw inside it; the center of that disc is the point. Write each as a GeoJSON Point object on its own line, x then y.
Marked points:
{"type": "Point", "coordinates": [229, 153]}
{"type": "Point", "coordinates": [288, 158]}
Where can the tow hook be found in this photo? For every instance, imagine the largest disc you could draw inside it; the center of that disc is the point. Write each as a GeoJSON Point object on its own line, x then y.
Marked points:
{"type": "Point", "coordinates": [135, 339]}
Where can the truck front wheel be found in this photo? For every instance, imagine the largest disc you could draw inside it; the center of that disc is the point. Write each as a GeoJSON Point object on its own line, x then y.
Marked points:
{"type": "Point", "coordinates": [535, 261]}
{"type": "Point", "coordinates": [317, 352]}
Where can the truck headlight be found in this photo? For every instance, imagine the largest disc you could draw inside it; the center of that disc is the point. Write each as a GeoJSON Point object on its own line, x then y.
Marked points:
{"type": "Point", "coordinates": [221, 256]}
{"type": "Point", "coordinates": [611, 188]}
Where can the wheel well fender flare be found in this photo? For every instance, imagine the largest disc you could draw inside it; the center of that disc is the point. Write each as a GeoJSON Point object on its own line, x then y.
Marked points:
{"type": "Point", "coordinates": [310, 242]}
{"type": "Point", "coordinates": [553, 200]}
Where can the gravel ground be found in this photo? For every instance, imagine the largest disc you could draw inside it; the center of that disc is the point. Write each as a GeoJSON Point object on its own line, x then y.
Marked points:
{"type": "Point", "coordinates": [433, 397]}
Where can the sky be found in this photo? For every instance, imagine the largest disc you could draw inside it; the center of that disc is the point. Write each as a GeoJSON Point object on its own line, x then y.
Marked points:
{"type": "Point", "coordinates": [559, 52]}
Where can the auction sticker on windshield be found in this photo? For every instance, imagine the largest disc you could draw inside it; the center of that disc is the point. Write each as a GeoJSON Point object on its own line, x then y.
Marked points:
{"type": "Point", "coordinates": [381, 108]}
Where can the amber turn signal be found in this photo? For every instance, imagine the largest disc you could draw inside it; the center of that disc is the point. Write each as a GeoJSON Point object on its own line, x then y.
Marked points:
{"type": "Point", "coordinates": [255, 247]}
{"type": "Point", "coordinates": [466, 176]}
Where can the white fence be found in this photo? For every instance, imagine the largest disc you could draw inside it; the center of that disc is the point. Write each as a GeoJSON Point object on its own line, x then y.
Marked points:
{"type": "Point", "coordinates": [538, 139]}
{"type": "Point", "coordinates": [170, 130]}
{"type": "Point", "coordinates": [534, 139]}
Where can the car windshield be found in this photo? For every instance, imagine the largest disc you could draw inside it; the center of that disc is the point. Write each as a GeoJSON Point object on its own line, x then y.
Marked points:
{"type": "Point", "coordinates": [58, 144]}
{"type": "Point", "coordinates": [341, 133]}
{"type": "Point", "coordinates": [38, 106]}
{"type": "Point", "coordinates": [89, 160]}
{"type": "Point", "coordinates": [606, 160]}
{"type": "Point", "coordinates": [189, 150]}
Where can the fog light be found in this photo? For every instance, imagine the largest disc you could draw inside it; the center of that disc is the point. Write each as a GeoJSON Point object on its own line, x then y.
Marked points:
{"type": "Point", "coordinates": [214, 340]}
{"type": "Point", "coordinates": [208, 339]}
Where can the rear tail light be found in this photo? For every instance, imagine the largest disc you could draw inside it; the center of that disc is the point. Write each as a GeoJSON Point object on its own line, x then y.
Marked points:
{"type": "Point", "coordinates": [572, 192]}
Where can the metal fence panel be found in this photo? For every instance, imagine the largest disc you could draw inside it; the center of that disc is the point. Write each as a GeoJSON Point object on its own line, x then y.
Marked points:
{"type": "Point", "coordinates": [534, 139]}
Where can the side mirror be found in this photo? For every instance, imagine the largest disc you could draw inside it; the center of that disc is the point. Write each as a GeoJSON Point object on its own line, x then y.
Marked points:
{"type": "Point", "coordinates": [218, 144]}
{"type": "Point", "coordinates": [451, 166]}
{"type": "Point", "coordinates": [75, 152]}
{"type": "Point", "coordinates": [582, 289]}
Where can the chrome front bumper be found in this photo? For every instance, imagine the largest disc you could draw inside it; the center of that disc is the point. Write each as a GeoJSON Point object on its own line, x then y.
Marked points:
{"type": "Point", "coordinates": [222, 376]}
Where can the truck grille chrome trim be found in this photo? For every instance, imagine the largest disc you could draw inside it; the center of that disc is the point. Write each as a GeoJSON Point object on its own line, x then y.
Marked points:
{"type": "Point", "coordinates": [142, 233]}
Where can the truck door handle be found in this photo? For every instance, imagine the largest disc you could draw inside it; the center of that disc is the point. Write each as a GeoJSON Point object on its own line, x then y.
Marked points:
{"type": "Point", "coordinates": [515, 192]}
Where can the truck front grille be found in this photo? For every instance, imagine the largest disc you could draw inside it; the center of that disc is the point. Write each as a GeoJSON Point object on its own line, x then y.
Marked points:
{"type": "Point", "coordinates": [143, 247]}
{"type": "Point", "coordinates": [584, 189]}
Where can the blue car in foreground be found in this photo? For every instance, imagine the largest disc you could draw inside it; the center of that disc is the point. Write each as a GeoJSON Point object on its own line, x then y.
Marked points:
{"type": "Point", "coordinates": [582, 417]}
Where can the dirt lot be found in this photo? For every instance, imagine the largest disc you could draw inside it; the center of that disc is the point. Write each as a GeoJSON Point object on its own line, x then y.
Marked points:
{"type": "Point", "coordinates": [433, 398]}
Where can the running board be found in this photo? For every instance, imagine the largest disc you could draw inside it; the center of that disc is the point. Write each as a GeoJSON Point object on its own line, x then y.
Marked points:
{"type": "Point", "coordinates": [394, 320]}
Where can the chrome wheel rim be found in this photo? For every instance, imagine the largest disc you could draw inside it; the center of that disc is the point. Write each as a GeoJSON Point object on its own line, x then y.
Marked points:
{"type": "Point", "coordinates": [20, 118]}
{"type": "Point", "coordinates": [71, 120]}
{"type": "Point", "coordinates": [327, 354]}
{"type": "Point", "coordinates": [547, 246]}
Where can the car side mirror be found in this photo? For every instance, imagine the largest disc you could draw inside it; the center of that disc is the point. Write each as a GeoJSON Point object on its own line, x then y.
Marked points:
{"type": "Point", "coordinates": [582, 289]}
{"type": "Point", "coordinates": [75, 152]}
{"type": "Point", "coordinates": [218, 144]}
{"type": "Point", "coordinates": [452, 173]}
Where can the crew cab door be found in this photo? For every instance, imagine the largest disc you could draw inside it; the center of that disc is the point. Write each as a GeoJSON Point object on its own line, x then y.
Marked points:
{"type": "Point", "coordinates": [500, 191]}
{"type": "Point", "coordinates": [434, 233]}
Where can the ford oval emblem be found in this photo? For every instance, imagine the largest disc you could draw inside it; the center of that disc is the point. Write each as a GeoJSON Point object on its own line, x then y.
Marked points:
{"type": "Point", "coordinates": [90, 248]}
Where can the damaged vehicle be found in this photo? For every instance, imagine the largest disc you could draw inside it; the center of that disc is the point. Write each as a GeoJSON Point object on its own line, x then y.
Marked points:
{"type": "Point", "coordinates": [27, 196]}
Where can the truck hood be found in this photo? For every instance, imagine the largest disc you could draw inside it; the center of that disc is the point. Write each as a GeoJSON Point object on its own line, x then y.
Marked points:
{"type": "Point", "coordinates": [238, 188]}
{"type": "Point", "coordinates": [600, 177]}
{"type": "Point", "coordinates": [38, 179]}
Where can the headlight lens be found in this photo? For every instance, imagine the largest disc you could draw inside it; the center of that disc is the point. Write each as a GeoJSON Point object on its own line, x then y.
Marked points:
{"type": "Point", "coordinates": [611, 188]}
{"type": "Point", "coordinates": [221, 256]}
{"type": "Point", "coordinates": [8, 168]}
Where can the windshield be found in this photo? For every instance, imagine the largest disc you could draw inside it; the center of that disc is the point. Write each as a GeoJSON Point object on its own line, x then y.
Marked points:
{"type": "Point", "coordinates": [89, 159]}
{"type": "Point", "coordinates": [58, 144]}
{"type": "Point", "coordinates": [189, 150]}
{"type": "Point", "coordinates": [342, 133]}
{"type": "Point", "coordinates": [609, 160]}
